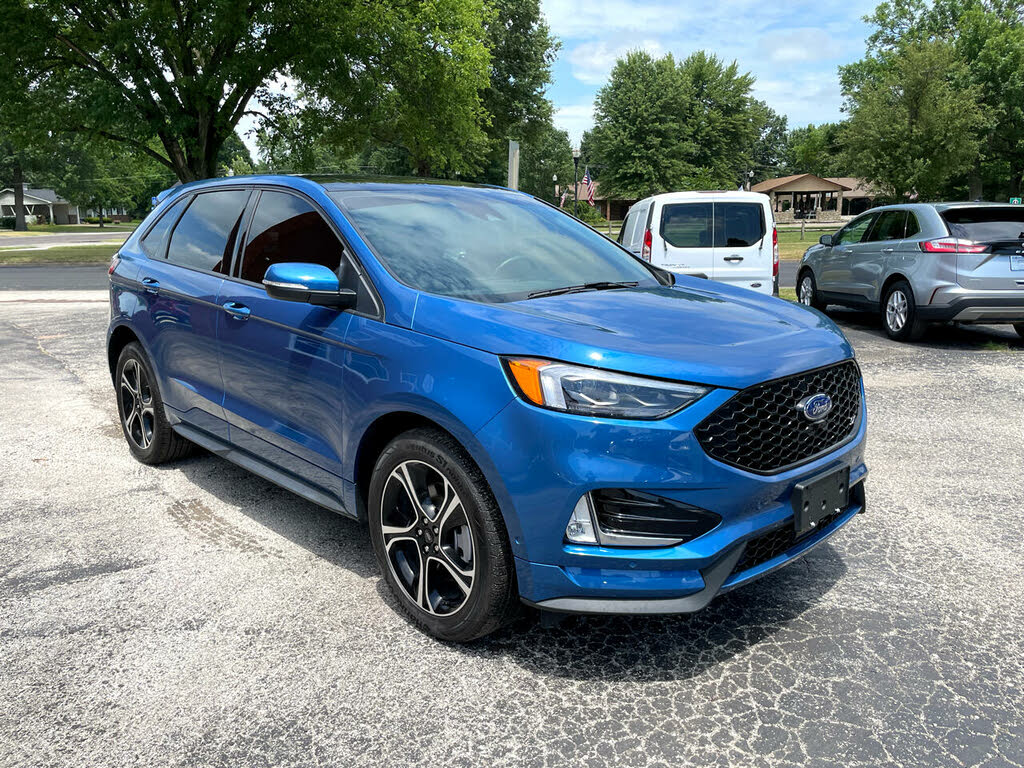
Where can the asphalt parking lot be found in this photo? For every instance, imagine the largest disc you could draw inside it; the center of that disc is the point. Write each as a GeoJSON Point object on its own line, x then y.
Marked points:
{"type": "Point", "coordinates": [195, 615]}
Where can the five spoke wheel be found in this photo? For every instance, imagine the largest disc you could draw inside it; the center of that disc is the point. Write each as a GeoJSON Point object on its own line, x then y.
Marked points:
{"type": "Point", "coordinates": [896, 311]}
{"type": "Point", "coordinates": [428, 540]}
{"type": "Point", "coordinates": [136, 404]}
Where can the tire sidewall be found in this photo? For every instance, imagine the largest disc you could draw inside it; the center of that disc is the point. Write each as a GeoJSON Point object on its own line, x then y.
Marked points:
{"type": "Point", "coordinates": [486, 546]}
{"type": "Point", "coordinates": [134, 351]}
{"type": "Point", "coordinates": [909, 329]}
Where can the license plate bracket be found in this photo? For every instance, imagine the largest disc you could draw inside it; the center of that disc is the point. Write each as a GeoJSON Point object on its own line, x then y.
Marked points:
{"type": "Point", "coordinates": [818, 497]}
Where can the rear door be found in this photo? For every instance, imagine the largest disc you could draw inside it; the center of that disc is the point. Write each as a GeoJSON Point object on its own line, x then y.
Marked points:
{"type": "Point", "coordinates": [687, 238]}
{"type": "Point", "coordinates": [1002, 229]}
{"type": "Point", "coordinates": [742, 245]}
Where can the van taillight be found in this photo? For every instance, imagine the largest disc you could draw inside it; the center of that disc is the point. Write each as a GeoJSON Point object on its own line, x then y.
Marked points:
{"type": "Point", "coordinates": [775, 252]}
{"type": "Point", "coordinates": [645, 254]}
{"type": "Point", "coordinates": [952, 245]}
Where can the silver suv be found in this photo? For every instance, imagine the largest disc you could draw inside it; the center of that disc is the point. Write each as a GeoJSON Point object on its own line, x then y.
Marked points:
{"type": "Point", "coordinates": [923, 263]}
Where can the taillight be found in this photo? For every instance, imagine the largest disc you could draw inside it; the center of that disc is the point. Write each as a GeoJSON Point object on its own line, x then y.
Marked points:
{"type": "Point", "coordinates": [952, 245]}
{"type": "Point", "coordinates": [114, 261]}
{"type": "Point", "coordinates": [775, 252]}
{"type": "Point", "coordinates": [645, 254]}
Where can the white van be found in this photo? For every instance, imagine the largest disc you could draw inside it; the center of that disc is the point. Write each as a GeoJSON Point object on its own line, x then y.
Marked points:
{"type": "Point", "coordinates": [724, 236]}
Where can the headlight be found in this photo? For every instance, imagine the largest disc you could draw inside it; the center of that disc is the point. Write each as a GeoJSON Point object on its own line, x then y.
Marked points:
{"type": "Point", "coordinates": [593, 392]}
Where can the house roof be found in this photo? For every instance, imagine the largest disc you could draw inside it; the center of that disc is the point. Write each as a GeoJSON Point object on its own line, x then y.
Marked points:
{"type": "Point", "coordinates": [39, 195]}
{"type": "Point", "coordinates": [857, 187]}
{"type": "Point", "coordinates": [801, 182]}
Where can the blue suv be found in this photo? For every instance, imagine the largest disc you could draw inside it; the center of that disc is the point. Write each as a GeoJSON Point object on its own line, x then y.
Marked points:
{"type": "Point", "coordinates": [518, 408]}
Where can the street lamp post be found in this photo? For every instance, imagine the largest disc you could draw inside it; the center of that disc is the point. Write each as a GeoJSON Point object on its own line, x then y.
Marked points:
{"type": "Point", "coordinates": [575, 183]}
{"type": "Point", "coordinates": [554, 180]}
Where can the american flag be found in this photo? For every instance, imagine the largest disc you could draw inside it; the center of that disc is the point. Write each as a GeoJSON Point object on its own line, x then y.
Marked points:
{"type": "Point", "coordinates": [589, 184]}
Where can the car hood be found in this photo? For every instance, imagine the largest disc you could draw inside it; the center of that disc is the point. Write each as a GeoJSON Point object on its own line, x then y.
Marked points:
{"type": "Point", "coordinates": [695, 331]}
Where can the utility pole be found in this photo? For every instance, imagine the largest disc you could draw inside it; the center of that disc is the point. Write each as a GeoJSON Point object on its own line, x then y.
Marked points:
{"type": "Point", "coordinates": [513, 165]}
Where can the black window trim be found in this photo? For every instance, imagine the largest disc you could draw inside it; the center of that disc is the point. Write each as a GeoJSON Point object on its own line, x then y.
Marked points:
{"type": "Point", "coordinates": [347, 254]}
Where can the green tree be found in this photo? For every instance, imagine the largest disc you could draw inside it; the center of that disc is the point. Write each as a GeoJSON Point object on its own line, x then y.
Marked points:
{"type": "Point", "coordinates": [547, 155]}
{"type": "Point", "coordinates": [641, 134]}
{"type": "Point", "coordinates": [816, 149]}
{"type": "Point", "coordinates": [913, 128]}
{"type": "Point", "coordinates": [770, 150]}
{"type": "Point", "coordinates": [185, 72]}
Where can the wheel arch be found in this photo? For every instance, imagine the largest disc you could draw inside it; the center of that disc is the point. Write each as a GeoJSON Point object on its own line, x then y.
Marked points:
{"type": "Point", "coordinates": [120, 336]}
{"type": "Point", "coordinates": [895, 277]}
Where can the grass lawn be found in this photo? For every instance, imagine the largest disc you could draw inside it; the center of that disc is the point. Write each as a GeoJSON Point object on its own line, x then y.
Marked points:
{"type": "Point", "coordinates": [71, 254]}
{"type": "Point", "coordinates": [792, 247]}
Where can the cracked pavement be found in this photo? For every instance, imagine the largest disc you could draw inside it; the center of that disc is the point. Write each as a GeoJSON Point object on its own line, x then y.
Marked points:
{"type": "Point", "coordinates": [196, 615]}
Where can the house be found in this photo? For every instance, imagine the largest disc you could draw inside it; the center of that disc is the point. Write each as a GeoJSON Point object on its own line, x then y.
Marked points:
{"type": "Point", "coordinates": [806, 196]}
{"type": "Point", "coordinates": [45, 204]}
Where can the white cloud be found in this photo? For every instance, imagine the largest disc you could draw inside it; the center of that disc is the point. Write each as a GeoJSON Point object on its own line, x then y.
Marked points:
{"type": "Point", "coordinates": [798, 45]}
{"type": "Point", "coordinates": [575, 119]}
{"type": "Point", "coordinates": [573, 19]}
{"type": "Point", "coordinates": [592, 62]}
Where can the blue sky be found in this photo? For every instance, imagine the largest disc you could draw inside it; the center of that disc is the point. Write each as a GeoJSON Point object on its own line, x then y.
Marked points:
{"type": "Point", "coordinates": [792, 47]}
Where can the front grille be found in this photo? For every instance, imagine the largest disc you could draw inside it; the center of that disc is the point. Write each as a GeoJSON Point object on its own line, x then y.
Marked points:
{"type": "Point", "coordinates": [774, 543]}
{"type": "Point", "coordinates": [761, 429]}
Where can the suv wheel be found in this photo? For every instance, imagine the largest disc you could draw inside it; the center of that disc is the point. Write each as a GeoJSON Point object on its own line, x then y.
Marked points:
{"type": "Point", "coordinates": [439, 537]}
{"type": "Point", "coordinates": [141, 409]}
{"type": "Point", "coordinates": [899, 313]}
{"type": "Point", "coordinates": [807, 291]}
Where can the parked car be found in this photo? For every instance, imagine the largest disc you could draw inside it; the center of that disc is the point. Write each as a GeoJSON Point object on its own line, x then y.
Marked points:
{"type": "Point", "coordinates": [923, 263]}
{"type": "Point", "coordinates": [729, 237]}
{"type": "Point", "coordinates": [516, 407]}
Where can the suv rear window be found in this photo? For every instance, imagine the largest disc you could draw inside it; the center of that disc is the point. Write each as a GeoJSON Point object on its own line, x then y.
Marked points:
{"type": "Point", "coordinates": [986, 224]}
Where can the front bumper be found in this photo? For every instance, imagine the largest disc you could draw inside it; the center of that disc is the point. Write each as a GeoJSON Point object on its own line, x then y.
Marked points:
{"type": "Point", "coordinates": [547, 460]}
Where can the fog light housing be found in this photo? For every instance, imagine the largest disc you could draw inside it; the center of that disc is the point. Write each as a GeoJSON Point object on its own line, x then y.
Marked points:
{"type": "Point", "coordinates": [580, 529]}
{"type": "Point", "coordinates": [622, 517]}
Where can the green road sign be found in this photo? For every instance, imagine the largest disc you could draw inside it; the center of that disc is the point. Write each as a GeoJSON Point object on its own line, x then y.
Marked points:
{"type": "Point", "coordinates": [1014, 201]}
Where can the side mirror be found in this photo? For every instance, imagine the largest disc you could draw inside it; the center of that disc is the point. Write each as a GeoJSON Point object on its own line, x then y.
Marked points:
{"type": "Point", "coordinates": [825, 240]}
{"type": "Point", "coordinates": [308, 283]}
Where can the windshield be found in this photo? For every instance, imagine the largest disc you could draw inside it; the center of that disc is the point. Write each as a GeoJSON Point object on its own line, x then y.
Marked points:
{"type": "Point", "coordinates": [986, 225]}
{"type": "Point", "coordinates": [483, 244]}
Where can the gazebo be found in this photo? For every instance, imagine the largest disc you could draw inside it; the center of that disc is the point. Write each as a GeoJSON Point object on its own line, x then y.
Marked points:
{"type": "Point", "coordinates": [804, 196]}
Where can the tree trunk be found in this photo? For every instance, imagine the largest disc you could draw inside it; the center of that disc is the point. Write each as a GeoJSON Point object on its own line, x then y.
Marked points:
{"type": "Point", "coordinates": [19, 198]}
{"type": "Point", "coordinates": [422, 167]}
{"type": "Point", "coordinates": [975, 190]}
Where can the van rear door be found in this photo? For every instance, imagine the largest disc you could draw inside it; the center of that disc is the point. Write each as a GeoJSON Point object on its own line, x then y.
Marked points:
{"type": "Point", "coordinates": [1001, 227]}
{"type": "Point", "coordinates": [686, 232]}
{"type": "Point", "coordinates": [743, 245]}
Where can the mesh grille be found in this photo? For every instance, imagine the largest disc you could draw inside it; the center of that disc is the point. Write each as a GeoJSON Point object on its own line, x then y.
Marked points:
{"type": "Point", "coordinates": [761, 429]}
{"type": "Point", "coordinates": [774, 543]}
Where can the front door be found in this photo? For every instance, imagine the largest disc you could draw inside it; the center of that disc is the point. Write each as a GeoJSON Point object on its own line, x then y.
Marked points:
{"type": "Point", "coordinates": [282, 361]}
{"type": "Point", "coordinates": [836, 275]}
{"type": "Point", "coordinates": [869, 258]}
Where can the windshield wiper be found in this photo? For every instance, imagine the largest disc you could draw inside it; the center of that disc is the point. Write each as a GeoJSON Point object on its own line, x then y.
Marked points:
{"type": "Point", "coordinates": [603, 285]}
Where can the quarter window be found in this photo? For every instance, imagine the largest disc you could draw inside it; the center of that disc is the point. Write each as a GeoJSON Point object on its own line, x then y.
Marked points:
{"type": "Point", "coordinates": [153, 243]}
{"type": "Point", "coordinates": [206, 233]}
{"type": "Point", "coordinates": [913, 227]}
{"type": "Point", "coordinates": [287, 228]}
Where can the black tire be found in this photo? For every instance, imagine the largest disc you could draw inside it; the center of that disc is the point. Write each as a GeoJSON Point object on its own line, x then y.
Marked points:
{"type": "Point", "coordinates": [909, 328]}
{"type": "Point", "coordinates": [146, 429]}
{"type": "Point", "coordinates": [445, 610]}
{"type": "Point", "coordinates": [813, 299]}
{"type": "Point", "coordinates": [1019, 328]}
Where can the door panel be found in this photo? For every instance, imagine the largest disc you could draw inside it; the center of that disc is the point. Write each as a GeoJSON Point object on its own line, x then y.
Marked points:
{"type": "Point", "coordinates": [687, 238]}
{"type": "Point", "coordinates": [869, 259]}
{"type": "Point", "coordinates": [743, 248]}
{"type": "Point", "coordinates": [836, 274]}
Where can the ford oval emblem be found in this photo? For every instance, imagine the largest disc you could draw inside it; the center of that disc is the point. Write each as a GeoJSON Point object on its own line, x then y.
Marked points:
{"type": "Point", "coordinates": [816, 407]}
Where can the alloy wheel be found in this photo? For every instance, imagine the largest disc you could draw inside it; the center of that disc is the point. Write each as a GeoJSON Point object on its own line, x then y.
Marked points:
{"type": "Point", "coordinates": [137, 412]}
{"type": "Point", "coordinates": [807, 291]}
{"type": "Point", "coordinates": [428, 540]}
{"type": "Point", "coordinates": [896, 311]}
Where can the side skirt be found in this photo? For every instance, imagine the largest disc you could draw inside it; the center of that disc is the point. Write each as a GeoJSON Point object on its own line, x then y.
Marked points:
{"type": "Point", "coordinates": [257, 466]}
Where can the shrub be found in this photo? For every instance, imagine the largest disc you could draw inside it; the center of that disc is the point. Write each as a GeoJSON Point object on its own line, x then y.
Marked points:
{"type": "Point", "coordinates": [6, 222]}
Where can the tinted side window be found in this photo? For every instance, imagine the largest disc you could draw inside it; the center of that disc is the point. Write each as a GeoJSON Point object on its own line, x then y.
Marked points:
{"type": "Point", "coordinates": [287, 228]}
{"type": "Point", "coordinates": [890, 225]}
{"type": "Point", "coordinates": [913, 226]}
{"type": "Point", "coordinates": [153, 243]}
{"type": "Point", "coordinates": [206, 232]}
{"type": "Point", "coordinates": [739, 225]}
{"type": "Point", "coordinates": [854, 231]}
{"type": "Point", "coordinates": [688, 225]}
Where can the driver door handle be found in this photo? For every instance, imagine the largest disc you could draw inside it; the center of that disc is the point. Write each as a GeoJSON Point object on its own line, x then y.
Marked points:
{"type": "Point", "coordinates": [888, 250]}
{"type": "Point", "coordinates": [151, 285]}
{"type": "Point", "coordinates": [734, 258]}
{"type": "Point", "coordinates": [236, 310]}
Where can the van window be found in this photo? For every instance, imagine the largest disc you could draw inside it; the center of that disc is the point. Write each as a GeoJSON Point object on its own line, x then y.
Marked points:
{"type": "Point", "coordinates": [986, 225]}
{"type": "Point", "coordinates": [642, 217]}
{"type": "Point", "coordinates": [688, 225]}
{"type": "Point", "coordinates": [155, 240]}
{"type": "Point", "coordinates": [625, 226]}
{"type": "Point", "coordinates": [739, 225]}
{"type": "Point", "coordinates": [205, 235]}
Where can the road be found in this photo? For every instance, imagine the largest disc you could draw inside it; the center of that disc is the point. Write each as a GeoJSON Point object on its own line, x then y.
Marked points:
{"type": "Point", "coordinates": [85, 277]}
{"type": "Point", "coordinates": [193, 614]}
{"type": "Point", "coordinates": [63, 238]}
